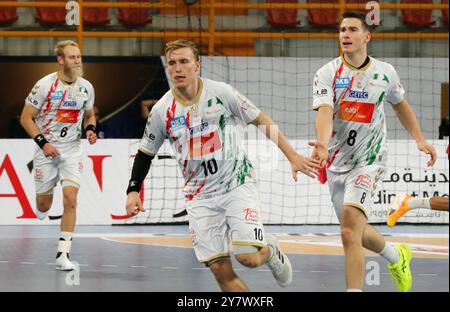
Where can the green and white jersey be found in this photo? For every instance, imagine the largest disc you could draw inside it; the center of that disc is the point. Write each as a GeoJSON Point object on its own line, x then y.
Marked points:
{"type": "Point", "coordinates": [204, 137]}
{"type": "Point", "coordinates": [357, 97]}
{"type": "Point", "coordinates": [61, 107]}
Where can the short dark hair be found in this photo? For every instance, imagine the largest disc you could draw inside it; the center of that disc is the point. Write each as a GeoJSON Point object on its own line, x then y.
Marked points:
{"type": "Point", "coordinates": [358, 15]}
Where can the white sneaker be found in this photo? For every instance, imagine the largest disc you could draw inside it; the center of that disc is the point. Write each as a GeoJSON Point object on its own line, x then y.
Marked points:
{"type": "Point", "coordinates": [279, 263]}
{"type": "Point", "coordinates": [63, 263]}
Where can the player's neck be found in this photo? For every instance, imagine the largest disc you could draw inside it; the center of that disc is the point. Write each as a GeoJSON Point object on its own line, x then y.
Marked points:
{"type": "Point", "coordinates": [356, 60]}
{"type": "Point", "coordinates": [66, 78]}
{"type": "Point", "coordinates": [188, 94]}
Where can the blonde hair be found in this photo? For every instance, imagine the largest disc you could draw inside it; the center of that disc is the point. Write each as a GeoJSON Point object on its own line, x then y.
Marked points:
{"type": "Point", "coordinates": [179, 44]}
{"type": "Point", "coordinates": [59, 48]}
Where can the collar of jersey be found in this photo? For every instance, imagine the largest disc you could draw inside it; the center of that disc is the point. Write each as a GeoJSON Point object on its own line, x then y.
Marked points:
{"type": "Point", "coordinates": [65, 83]}
{"type": "Point", "coordinates": [353, 67]}
{"type": "Point", "coordinates": [195, 100]}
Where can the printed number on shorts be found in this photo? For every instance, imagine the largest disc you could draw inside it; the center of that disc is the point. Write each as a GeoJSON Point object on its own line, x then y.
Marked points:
{"type": "Point", "coordinates": [210, 166]}
{"type": "Point", "coordinates": [363, 198]}
{"type": "Point", "coordinates": [352, 137]}
{"type": "Point", "coordinates": [63, 132]}
{"type": "Point", "coordinates": [258, 234]}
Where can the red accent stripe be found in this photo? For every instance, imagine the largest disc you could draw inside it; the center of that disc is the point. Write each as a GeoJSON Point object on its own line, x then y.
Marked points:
{"type": "Point", "coordinates": [170, 115]}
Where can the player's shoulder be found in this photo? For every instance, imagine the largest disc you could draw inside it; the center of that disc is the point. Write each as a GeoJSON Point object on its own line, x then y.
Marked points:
{"type": "Point", "coordinates": [218, 88]}
{"type": "Point", "coordinates": [165, 101]}
{"type": "Point", "coordinates": [214, 85]}
{"type": "Point", "coordinates": [330, 67]}
{"type": "Point", "coordinates": [86, 83]}
{"type": "Point", "coordinates": [383, 65]}
{"type": "Point", "coordinates": [47, 80]}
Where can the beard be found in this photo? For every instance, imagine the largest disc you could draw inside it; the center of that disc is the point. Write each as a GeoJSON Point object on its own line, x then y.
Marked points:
{"type": "Point", "coordinates": [73, 72]}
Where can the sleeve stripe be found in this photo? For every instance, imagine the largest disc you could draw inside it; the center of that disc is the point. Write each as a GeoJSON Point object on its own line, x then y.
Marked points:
{"type": "Point", "coordinates": [146, 152]}
{"type": "Point", "coordinates": [317, 106]}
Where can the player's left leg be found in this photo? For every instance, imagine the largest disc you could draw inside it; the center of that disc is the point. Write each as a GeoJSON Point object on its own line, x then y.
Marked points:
{"type": "Point", "coordinates": [67, 227]}
{"type": "Point", "coordinates": [251, 245]}
{"type": "Point", "coordinates": [70, 172]}
{"type": "Point", "coordinates": [360, 188]}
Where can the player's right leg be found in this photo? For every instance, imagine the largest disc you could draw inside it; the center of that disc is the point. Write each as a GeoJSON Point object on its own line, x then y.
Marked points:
{"type": "Point", "coordinates": [43, 205]}
{"type": "Point", "coordinates": [352, 227]}
{"type": "Point", "coordinates": [226, 277]}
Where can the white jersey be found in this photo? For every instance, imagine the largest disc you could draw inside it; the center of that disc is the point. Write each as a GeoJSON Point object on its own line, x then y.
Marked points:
{"type": "Point", "coordinates": [203, 137]}
{"type": "Point", "coordinates": [61, 107]}
{"type": "Point", "coordinates": [357, 98]}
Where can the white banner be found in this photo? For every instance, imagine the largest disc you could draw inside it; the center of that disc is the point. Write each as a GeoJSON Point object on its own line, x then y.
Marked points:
{"type": "Point", "coordinates": [107, 166]}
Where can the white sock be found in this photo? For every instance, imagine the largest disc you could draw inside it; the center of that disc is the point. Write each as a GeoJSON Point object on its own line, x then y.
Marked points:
{"type": "Point", "coordinates": [41, 215]}
{"type": "Point", "coordinates": [354, 290]}
{"type": "Point", "coordinates": [390, 253]}
{"type": "Point", "coordinates": [418, 202]}
{"type": "Point", "coordinates": [64, 243]}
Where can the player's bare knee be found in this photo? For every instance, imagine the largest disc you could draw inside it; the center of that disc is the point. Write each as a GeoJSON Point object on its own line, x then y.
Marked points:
{"type": "Point", "coordinates": [70, 202]}
{"type": "Point", "coordinates": [222, 271]}
{"type": "Point", "coordinates": [350, 236]}
{"type": "Point", "coordinates": [248, 260]}
{"type": "Point", "coordinates": [43, 202]}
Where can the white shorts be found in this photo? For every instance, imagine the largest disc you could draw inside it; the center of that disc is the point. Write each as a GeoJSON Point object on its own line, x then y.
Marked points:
{"type": "Point", "coordinates": [233, 217]}
{"type": "Point", "coordinates": [66, 168]}
{"type": "Point", "coordinates": [355, 188]}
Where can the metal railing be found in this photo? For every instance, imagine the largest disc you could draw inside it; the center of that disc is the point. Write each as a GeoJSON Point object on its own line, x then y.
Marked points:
{"type": "Point", "coordinates": [211, 33]}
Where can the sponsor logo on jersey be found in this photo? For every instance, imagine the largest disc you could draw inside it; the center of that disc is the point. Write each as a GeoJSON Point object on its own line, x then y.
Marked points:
{"type": "Point", "coordinates": [251, 214]}
{"type": "Point", "coordinates": [200, 128]}
{"type": "Point", "coordinates": [322, 92]}
{"type": "Point", "coordinates": [178, 123]}
{"type": "Point", "coordinates": [67, 115]}
{"type": "Point", "coordinates": [151, 137]}
{"type": "Point", "coordinates": [56, 95]}
{"type": "Point", "coordinates": [342, 82]}
{"type": "Point", "coordinates": [363, 181]}
{"type": "Point", "coordinates": [205, 144]}
{"type": "Point", "coordinates": [69, 103]}
{"type": "Point", "coordinates": [359, 94]}
{"type": "Point", "coordinates": [38, 174]}
{"type": "Point", "coordinates": [356, 111]}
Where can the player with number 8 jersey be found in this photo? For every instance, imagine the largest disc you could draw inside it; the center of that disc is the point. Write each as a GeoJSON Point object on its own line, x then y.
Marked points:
{"type": "Point", "coordinates": [349, 95]}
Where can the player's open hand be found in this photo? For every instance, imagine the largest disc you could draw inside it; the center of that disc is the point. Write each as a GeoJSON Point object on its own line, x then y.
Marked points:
{"type": "Point", "coordinates": [134, 204]}
{"type": "Point", "coordinates": [304, 164]}
{"type": "Point", "coordinates": [50, 151]}
{"type": "Point", "coordinates": [91, 136]}
{"type": "Point", "coordinates": [428, 149]}
{"type": "Point", "coordinates": [320, 152]}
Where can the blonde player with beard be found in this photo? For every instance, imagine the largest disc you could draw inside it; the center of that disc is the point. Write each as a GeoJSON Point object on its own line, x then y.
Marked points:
{"type": "Point", "coordinates": [53, 115]}
{"type": "Point", "coordinates": [349, 94]}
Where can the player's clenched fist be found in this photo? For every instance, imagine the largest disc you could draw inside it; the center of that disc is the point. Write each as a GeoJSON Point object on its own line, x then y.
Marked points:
{"type": "Point", "coordinates": [134, 204]}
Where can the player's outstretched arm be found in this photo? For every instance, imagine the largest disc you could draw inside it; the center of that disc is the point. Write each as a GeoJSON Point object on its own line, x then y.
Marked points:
{"type": "Point", "coordinates": [408, 119]}
{"type": "Point", "coordinates": [27, 122]}
{"type": "Point", "coordinates": [324, 129]}
{"type": "Point", "coordinates": [141, 166]}
{"type": "Point", "coordinates": [298, 162]}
